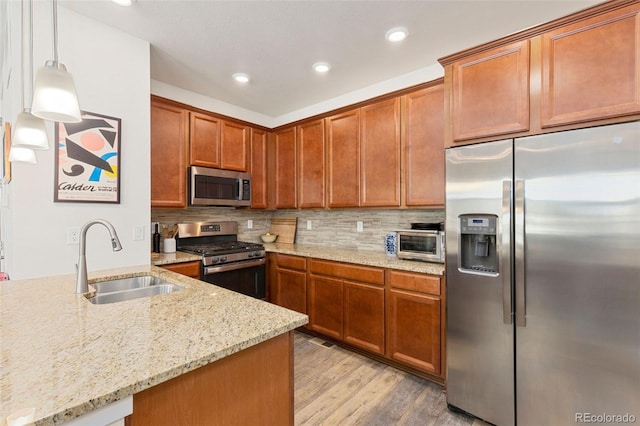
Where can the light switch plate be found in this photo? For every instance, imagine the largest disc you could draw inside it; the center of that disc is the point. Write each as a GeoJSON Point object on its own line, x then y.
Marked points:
{"type": "Point", "coordinates": [250, 224]}
{"type": "Point", "coordinates": [309, 226]}
{"type": "Point", "coordinates": [138, 233]}
{"type": "Point", "coordinates": [359, 226]}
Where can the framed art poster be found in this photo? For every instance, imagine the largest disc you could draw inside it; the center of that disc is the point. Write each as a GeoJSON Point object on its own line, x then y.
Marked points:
{"type": "Point", "coordinates": [88, 160]}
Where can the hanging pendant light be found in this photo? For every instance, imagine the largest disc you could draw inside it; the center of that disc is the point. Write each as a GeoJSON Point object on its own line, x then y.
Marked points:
{"type": "Point", "coordinates": [29, 131]}
{"type": "Point", "coordinates": [22, 155]}
{"type": "Point", "coordinates": [55, 96]}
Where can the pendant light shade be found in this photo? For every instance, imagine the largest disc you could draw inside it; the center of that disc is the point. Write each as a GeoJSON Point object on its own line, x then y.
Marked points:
{"type": "Point", "coordinates": [29, 132]}
{"type": "Point", "coordinates": [22, 154]}
{"type": "Point", "coordinates": [54, 95]}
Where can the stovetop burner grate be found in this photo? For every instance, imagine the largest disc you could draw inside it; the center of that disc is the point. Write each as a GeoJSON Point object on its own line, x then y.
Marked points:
{"type": "Point", "coordinates": [222, 247]}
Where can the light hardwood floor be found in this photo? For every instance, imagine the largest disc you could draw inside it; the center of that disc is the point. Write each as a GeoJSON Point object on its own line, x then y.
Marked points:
{"type": "Point", "coordinates": [334, 386]}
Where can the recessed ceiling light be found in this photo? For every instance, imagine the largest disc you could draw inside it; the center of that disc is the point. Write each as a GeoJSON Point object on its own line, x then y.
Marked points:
{"type": "Point", "coordinates": [396, 34]}
{"type": "Point", "coordinates": [321, 67]}
{"type": "Point", "coordinates": [123, 2]}
{"type": "Point", "coordinates": [241, 78]}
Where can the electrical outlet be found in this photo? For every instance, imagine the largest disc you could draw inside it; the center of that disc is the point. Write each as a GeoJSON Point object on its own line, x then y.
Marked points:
{"type": "Point", "coordinates": [359, 226]}
{"type": "Point", "coordinates": [73, 235]}
{"type": "Point", "coordinates": [138, 233]}
{"type": "Point", "coordinates": [309, 226]}
{"type": "Point", "coordinates": [250, 224]}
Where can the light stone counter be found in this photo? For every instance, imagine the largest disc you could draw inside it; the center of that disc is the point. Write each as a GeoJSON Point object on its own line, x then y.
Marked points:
{"type": "Point", "coordinates": [360, 257]}
{"type": "Point", "coordinates": [66, 357]}
{"type": "Point", "coordinates": [177, 257]}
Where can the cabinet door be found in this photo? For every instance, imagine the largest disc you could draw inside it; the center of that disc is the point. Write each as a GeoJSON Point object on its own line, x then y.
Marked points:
{"type": "Point", "coordinates": [233, 146]}
{"type": "Point", "coordinates": [491, 92]}
{"type": "Point", "coordinates": [205, 140]}
{"type": "Point", "coordinates": [343, 165]}
{"type": "Point", "coordinates": [311, 165]}
{"type": "Point", "coordinates": [364, 316]}
{"type": "Point", "coordinates": [380, 154]}
{"type": "Point", "coordinates": [190, 269]}
{"type": "Point", "coordinates": [414, 336]}
{"type": "Point", "coordinates": [258, 169]}
{"type": "Point", "coordinates": [325, 306]}
{"type": "Point", "coordinates": [285, 168]}
{"type": "Point", "coordinates": [169, 145]}
{"type": "Point", "coordinates": [591, 69]}
{"type": "Point", "coordinates": [291, 290]}
{"type": "Point", "coordinates": [423, 147]}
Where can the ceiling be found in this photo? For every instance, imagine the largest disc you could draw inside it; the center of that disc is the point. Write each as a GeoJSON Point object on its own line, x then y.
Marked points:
{"type": "Point", "coordinates": [198, 45]}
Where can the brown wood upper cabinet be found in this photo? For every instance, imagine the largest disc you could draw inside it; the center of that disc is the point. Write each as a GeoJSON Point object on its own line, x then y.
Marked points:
{"type": "Point", "coordinates": [576, 71]}
{"type": "Point", "coordinates": [423, 147]}
{"type": "Point", "coordinates": [311, 164]}
{"type": "Point", "coordinates": [258, 169]}
{"type": "Point", "coordinates": [218, 143]}
{"type": "Point", "coordinates": [204, 140]}
{"type": "Point", "coordinates": [363, 156]}
{"type": "Point", "coordinates": [284, 164]}
{"type": "Point", "coordinates": [380, 154]}
{"type": "Point", "coordinates": [169, 146]}
{"type": "Point", "coordinates": [591, 69]}
{"type": "Point", "coordinates": [490, 92]}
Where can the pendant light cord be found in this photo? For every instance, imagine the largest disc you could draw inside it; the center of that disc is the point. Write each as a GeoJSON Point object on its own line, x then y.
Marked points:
{"type": "Point", "coordinates": [22, 55]}
{"type": "Point", "coordinates": [30, 97]}
{"type": "Point", "coordinates": [54, 12]}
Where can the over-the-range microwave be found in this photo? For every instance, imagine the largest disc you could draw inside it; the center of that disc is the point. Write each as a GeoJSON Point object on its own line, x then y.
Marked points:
{"type": "Point", "coordinates": [214, 187]}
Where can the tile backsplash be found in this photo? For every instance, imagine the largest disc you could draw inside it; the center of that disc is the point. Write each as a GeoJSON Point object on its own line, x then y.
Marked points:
{"type": "Point", "coordinates": [329, 228]}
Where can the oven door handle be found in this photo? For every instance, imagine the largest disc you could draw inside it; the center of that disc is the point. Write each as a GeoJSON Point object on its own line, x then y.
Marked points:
{"type": "Point", "coordinates": [233, 266]}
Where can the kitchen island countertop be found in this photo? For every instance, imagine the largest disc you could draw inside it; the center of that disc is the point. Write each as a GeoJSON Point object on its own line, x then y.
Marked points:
{"type": "Point", "coordinates": [66, 357]}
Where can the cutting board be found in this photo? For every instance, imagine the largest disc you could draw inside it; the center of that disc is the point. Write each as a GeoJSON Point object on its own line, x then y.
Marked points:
{"type": "Point", "coordinates": [285, 228]}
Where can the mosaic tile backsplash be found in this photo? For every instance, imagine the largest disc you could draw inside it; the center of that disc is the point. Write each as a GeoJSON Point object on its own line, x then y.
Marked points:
{"type": "Point", "coordinates": [329, 228]}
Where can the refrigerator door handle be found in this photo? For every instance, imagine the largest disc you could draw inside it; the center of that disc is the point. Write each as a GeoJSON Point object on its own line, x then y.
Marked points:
{"type": "Point", "coordinates": [505, 255]}
{"type": "Point", "coordinates": [521, 301]}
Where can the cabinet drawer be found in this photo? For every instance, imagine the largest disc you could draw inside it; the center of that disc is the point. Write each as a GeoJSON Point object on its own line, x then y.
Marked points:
{"type": "Point", "coordinates": [347, 271]}
{"type": "Point", "coordinates": [291, 262]}
{"type": "Point", "coordinates": [190, 269]}
{"type": "Point", "coordinates": [414, 282]}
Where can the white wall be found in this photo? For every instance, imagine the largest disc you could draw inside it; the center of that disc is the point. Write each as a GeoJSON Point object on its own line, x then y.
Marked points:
{"type": "Point", "coordinates": [112, 77]}
{"type": "Point", "coordinates": [209, 104]}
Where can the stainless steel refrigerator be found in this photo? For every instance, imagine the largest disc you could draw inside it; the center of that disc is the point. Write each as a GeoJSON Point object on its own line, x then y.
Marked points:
{"type": "Point", "coordinates": [543, 277]}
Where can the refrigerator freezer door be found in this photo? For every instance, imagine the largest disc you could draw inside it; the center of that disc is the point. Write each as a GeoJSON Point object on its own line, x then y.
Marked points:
{"type": "Point", "coordinates": [578, 353]}
{"type": "Point", "coordinates": [480, 331]}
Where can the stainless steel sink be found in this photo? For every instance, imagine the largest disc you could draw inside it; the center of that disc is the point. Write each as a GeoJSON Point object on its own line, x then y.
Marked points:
{"type": "Point", "coordinates": [127, 283]}
{"type": "Point", "coordinates": [130, 288]}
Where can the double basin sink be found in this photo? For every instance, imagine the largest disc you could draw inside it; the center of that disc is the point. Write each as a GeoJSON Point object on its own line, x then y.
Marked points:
{"type": "Point", "coordinates": [122, 289]}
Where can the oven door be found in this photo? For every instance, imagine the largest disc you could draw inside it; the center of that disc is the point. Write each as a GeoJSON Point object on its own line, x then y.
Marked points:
{"type": "Point", "coordinates": [246, 277]}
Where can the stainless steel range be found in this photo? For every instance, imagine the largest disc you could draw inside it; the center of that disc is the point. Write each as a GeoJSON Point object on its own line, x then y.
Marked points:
{"type": "Point", "coordinates": [226, 262]}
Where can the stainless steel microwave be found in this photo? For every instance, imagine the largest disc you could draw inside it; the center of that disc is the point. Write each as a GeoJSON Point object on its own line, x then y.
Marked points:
{"type": "Point", "coordinates": [214, 187]}
{"type": "Point", "coordinates": [417, 244]}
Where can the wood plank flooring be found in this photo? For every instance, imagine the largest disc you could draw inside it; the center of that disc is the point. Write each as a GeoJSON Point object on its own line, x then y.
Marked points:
{"type": "Point", "coordinates": [334, 386]}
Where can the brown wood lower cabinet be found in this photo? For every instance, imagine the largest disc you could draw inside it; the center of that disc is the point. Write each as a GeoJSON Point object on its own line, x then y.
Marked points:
{"type": "Point", "coordinates": [289, 286]}
{"type": "Point", "coordinates": [414, 325]}
{"type": "Point", "coordinates": [394, 316]}
{"type": "Point", "coordinates": [190, 269]}
{"type": "Point", "coordinates": [346, 302]}
{"type": "Point", "coordinates": [251, 387]}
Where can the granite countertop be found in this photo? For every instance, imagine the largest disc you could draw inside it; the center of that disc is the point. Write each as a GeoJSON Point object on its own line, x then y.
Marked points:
{"type": "Point", "coordinates": [66, 357]}
{"type": "Point", "coordinates": [177, 257]}
{"type": "Point", "coordinates": [360, 257]}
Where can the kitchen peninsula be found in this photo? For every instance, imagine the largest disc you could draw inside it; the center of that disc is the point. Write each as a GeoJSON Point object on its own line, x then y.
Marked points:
{"type": "Point", "coordinates": [66, 357]}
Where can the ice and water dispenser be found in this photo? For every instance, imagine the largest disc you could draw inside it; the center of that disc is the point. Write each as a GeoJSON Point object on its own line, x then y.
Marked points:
{"type": "Point", "coordinates": [478, 250]}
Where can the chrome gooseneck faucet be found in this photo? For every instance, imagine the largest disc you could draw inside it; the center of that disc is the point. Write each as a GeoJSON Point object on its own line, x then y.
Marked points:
{"type": "Point", "coordinates": [81, 279]}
